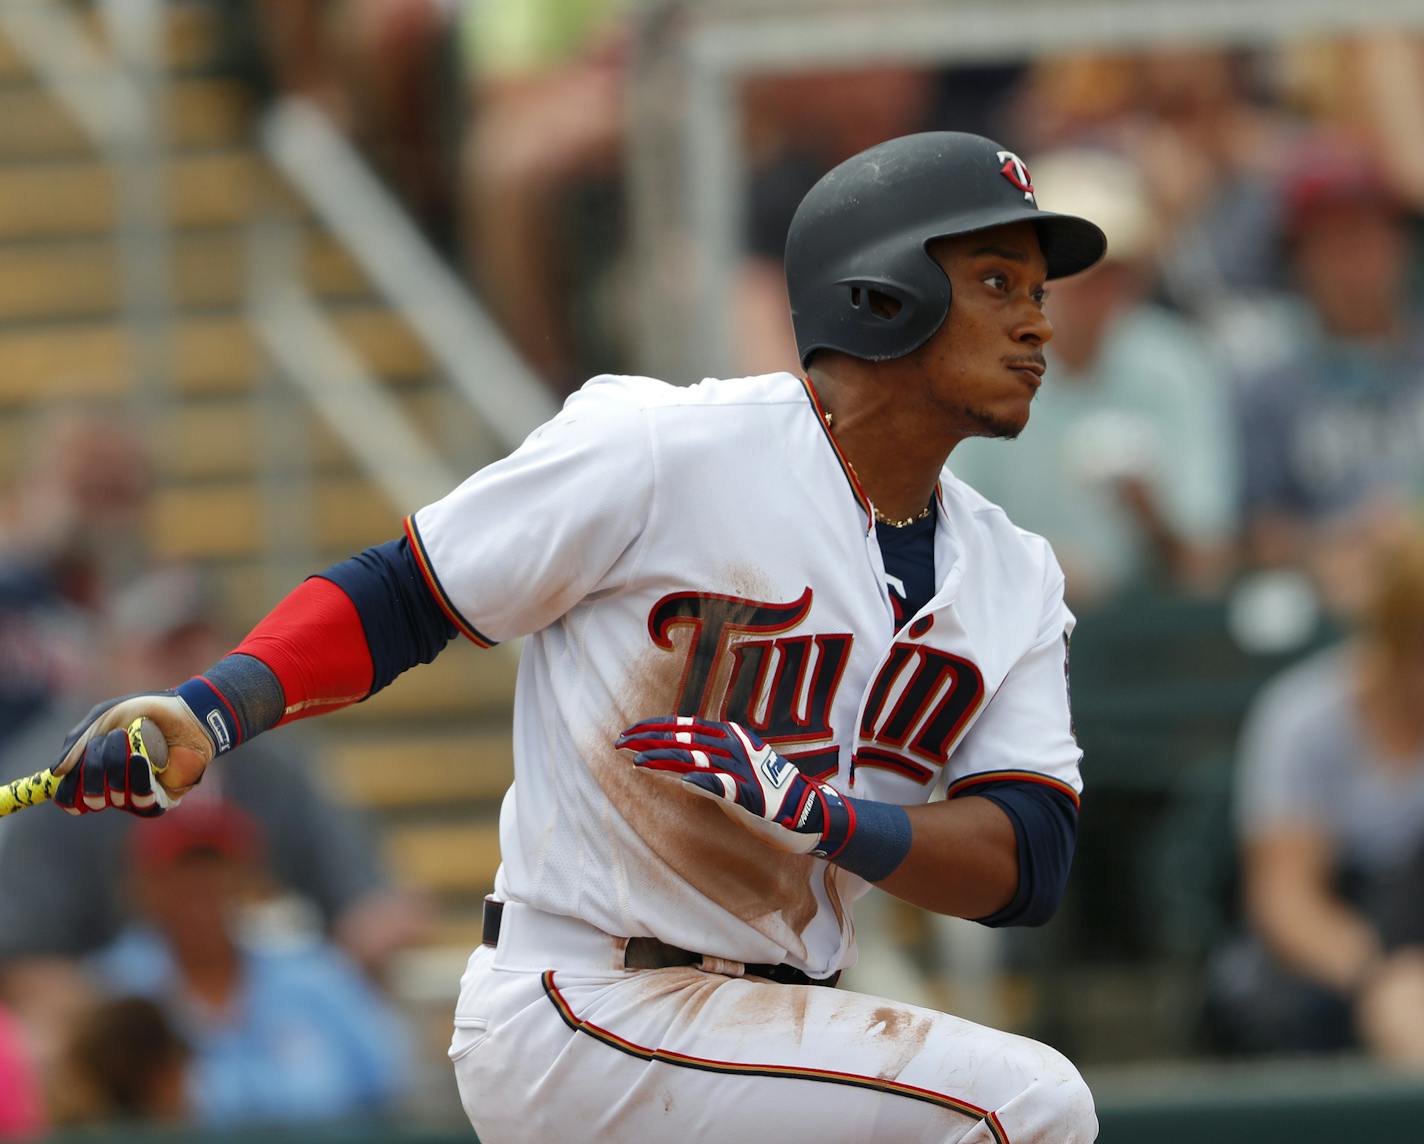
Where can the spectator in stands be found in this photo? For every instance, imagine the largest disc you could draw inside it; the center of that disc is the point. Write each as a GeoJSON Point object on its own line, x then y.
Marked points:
{"type": "Point", "coordinates": [278, 1032]}
{"type": "Point", "coordinates": [73, 533]}
{"type": "Point", "coordinates": [544, 151]}
{"type": "Point", "coordinates": [1334, 435]}
{"type": "Point", "coordinates": [382, 70]}
{"type": "Point", "coordinates": [1370, 85]}
{"type": "Point", "coordinates": [1206, 144]}
{"type": "Point", "coordinates": [1127, 468]}
{"type": "Point", "coordinates": [162, 629]}
{"type": "Point", "coordinates": [1330, 809]}
{"type": "Point", "coordinates": [22, 1100]}
{"type": "Point", "coordinates": [124, 1062]}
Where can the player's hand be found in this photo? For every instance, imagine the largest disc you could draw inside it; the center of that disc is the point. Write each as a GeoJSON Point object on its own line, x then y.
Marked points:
{"type": "Point", "coordinates": [101, 771]}
{"type": "Point", "coordinates": [762, 791]}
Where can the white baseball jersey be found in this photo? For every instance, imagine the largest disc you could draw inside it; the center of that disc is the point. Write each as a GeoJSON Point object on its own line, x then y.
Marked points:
{"type": "Point", "coordinates": [707, 550]}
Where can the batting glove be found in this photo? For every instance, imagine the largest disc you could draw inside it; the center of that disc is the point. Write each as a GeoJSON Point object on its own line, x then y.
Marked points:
{"type": "Point", "coordinates": [102, 769]}
{"type": "Point", "coordinates": [762, 791]}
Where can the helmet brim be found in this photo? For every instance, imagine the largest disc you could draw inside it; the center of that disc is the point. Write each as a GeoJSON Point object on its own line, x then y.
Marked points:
{"type": "Point", "coordinates": [1070, 244]}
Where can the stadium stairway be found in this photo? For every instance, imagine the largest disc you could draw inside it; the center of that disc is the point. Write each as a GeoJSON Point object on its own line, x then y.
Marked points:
{"type": "Point", "coordinates": [430, 757]}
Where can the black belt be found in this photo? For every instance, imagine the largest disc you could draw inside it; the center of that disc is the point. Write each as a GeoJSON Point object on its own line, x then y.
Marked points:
{"type": "Point", "coordinates": [650, 953]}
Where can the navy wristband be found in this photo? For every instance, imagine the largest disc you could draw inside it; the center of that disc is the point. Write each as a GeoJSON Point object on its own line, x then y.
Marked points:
{"type": "Point", "coordinates": [214, 712]}
{"type": "Point", "coordinates": [238, 698]}
{"type": "Point", "coordinates": [879, 842]}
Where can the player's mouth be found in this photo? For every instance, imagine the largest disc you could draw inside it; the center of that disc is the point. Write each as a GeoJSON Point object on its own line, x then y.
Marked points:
{"type": "Point", "coordinates": [1029, 370]}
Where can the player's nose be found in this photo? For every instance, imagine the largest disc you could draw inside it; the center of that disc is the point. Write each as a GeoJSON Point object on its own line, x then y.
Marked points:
{"type": "Point", "coordinates": [1033, 327]}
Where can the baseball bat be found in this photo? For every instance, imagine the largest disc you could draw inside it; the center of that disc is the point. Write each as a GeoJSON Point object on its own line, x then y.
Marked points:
{"type": "Point", "coordinates": [144, 739]}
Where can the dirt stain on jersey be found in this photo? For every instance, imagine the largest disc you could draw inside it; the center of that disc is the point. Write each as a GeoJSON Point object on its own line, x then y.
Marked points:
{"type": "Point", "coordinates": [694, 840]}
{"type": "Point", "coordinates": [748, 582]}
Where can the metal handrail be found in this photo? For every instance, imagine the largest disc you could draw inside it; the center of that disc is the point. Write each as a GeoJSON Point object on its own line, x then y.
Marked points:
{"type": "Point", "coordinates": [466, 343]}
{"type": "Point", "coordinates": [105, 102]}
{"type": "Point", "coordinates": [369, 421]}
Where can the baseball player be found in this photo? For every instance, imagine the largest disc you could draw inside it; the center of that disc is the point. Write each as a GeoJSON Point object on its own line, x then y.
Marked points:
{"type": "Point", "coordinates": [765, 627]}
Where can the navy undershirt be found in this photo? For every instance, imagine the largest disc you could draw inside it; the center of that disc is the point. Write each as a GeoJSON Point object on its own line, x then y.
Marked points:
{"type": "Point", "coordinates": [908, 555]}
{"type": "Point", "coordinates": [1045, 821]}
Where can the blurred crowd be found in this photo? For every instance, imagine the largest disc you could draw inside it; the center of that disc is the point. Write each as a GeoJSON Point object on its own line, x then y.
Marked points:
{"type": "Point", "coordinates": [1234, 413]}
{"type": "Point", "coordinates": [224, 965]}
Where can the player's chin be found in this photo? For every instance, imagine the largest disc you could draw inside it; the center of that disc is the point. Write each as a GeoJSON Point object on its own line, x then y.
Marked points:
{"type": "Point", "coordinates": [1005, 419]}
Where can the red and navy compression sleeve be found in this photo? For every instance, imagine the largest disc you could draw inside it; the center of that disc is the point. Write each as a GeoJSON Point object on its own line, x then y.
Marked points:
{"type": "Point", "coordinates": [1045, 824]}
{"type": "Point", "coordinates": [340, 637]}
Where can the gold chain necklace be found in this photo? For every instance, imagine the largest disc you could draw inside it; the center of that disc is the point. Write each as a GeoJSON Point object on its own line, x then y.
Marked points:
{"type": "Point", "coordinates": [909, 520]}
{"type": "Point", "coordinates": [880, 517]}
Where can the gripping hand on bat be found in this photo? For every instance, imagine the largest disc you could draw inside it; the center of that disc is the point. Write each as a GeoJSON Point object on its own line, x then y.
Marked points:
{"type": "Point", "coordinates": [140, 754]}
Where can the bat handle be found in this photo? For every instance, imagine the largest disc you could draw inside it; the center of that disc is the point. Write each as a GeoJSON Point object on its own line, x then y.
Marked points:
{"type": "Point", "coordinates": [21, 793]}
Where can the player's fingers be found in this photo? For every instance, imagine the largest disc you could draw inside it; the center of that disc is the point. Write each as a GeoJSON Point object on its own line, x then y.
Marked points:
{"type": "Point", "coordinates": [665, 759]}
{"type": "Point", "coordinates": [679, 740]}
{"type": "Point", "coordinates": [100, 758]}
{"type": "Point", "coordinates": [684, 756]}
{"type": "Point", "coordinates": [677, 724]}
{"type": "Point", "coordinates": [110, 773]}
{"type": "Point", "coordinates": [140, 784]}
{"type": "Point", "coordinates": [66, 794]}
{"type": "Point", "coordinates": [713, 745]}
{"type": "Point", "coordinates": [632, 738]}
{"type": "Point", "coordinates": [656, 723]}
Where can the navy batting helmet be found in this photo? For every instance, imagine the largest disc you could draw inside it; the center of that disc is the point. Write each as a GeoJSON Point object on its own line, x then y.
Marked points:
{"type": "Point", "coordinates": [863, 229]}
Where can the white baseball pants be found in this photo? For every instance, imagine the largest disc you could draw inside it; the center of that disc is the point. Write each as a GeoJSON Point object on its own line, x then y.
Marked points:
{"type": "Point", "coordinates": [556, 1043]}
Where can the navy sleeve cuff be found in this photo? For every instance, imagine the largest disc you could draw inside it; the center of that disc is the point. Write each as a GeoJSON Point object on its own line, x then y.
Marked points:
{"type": "Point", "coordinates": [1045, 823]}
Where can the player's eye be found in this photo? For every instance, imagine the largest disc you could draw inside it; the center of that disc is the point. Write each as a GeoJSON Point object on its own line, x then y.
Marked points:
{"type": "Point", "coordinates": [1040, 296]}
{"type": "Point", "coordinates": [996, 281]}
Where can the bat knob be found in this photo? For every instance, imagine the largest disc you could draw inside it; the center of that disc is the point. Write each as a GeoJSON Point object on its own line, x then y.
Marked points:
{"type": "Point", "coordinates": [147, 740]}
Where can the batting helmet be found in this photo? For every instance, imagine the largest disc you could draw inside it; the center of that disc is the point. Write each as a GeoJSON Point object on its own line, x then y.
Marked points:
{"type": "Point", "coordinates": [864, 227]}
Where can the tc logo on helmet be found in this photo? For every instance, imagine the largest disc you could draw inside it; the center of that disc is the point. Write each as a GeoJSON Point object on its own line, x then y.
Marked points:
{"type": "Point", "coordinates": [1014, 170]}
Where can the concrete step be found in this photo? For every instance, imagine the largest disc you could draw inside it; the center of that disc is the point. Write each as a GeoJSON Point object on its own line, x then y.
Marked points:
{"type": "Point", "coordinates": [215, 439]}
{"type": "Point", "coordinates": [83, 279]}
{"type": "Point", "coordinates": [213, 354]}
{"type": "Point", "coordinates": [78, 197]}
{"type": "Point", "coordinates": [226, 520]}
{"type": "Point", "coordinates": [403, 773]}
{"type": "Point", "coordinates": [198, 112]}
{"type": "Point", "coordinates": [451, 860]}
{"type": "Point", "coordinates": [465, 681]}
